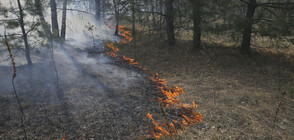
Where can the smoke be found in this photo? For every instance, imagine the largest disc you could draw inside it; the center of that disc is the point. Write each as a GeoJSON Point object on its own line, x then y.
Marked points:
{"type": "Point", "coordinates": [89, 80]}
{"type": "Point", "coordinates": [82, 67]}
{"type": "Point", "coordinates": [72, 57]}
{"type": "Point", "coordinates": [78, 18]}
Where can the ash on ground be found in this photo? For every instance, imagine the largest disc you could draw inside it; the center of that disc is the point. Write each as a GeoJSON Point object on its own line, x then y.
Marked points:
{"type": "Point", "coordinates": [97, 96]}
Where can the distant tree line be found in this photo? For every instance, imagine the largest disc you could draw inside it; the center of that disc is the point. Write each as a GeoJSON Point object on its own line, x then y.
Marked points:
{"type": "Point", "coordinates": [268, 18]}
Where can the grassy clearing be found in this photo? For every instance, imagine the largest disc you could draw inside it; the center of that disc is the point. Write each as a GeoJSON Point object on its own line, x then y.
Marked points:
{"type": "Point", "coordinates": [238, 95]}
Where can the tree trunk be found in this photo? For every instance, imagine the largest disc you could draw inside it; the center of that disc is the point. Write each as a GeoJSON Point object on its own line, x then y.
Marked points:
{"type": "Point", "coordinates": [153, 8]}
{"type": "Point", "coordinates": [98, 10]}
{"type": "Point", "coordinates": [160, 22]}
{"type": "Point", "coordinates": [134, 23]}
{"type": "Point", "coordinates": [196, 5]}
{"type": "Point", "coordinates": [245, 46]}
{"type": "Point", "coordinates": [116, 29]}
{"type": "Point", "coordinates": [116, 12]}
{"type": "Point", "coordinates": [170, 31]}
{"type": "Point", "coordinates": [63, 26]}
{"type": "Point", "coordinates": [24, 34]}
{"type": "Point", "coordinates": [55, 29]}
{"type": "Point", "coordinates": [103, 3]}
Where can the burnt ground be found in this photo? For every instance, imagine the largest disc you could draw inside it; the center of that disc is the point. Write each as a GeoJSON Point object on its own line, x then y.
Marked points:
{"type": "Point", "coordinates": [98, 97]}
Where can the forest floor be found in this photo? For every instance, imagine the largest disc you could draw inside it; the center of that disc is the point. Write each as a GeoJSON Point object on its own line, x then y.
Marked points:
{"type": "Point", "coordinates": [104, 98]}
{"type": "Point", "coordinates": [237, 95]}
{"type": "Point", "coordinates": [98, 97]}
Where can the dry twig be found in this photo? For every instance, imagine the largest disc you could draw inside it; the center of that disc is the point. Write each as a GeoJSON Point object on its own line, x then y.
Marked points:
{"type": "Point", "coordinates": [13, 85]}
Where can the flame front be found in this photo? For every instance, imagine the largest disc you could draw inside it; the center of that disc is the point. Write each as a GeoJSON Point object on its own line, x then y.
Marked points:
{"type": "Point", "coordinates": [130, 61]}
{"type": "Point", "coordinates": [113, 49]}
{"type": "Point", "coordinates": [168, 98]}
{"type": "Point", "coordinates": [158, 130]}
{"type": "Point", "coordinates": [127, 36]}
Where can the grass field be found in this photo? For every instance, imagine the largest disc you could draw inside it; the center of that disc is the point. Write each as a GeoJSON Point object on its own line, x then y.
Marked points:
{"type": "Point", "coordinates": [237, 95]}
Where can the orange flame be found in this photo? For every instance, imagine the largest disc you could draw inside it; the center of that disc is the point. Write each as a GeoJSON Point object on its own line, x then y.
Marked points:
{"type": "Point", "coordinates": [63, 138]}
{"type": "Point", "coordinates": [130, 61]}
{"type": "Point", "coordinates": [113, 51]}
{"type": "Point", "coordinates": [161, 131]}
{"type": "Point", "coordinates": [169, 94]}
{"type": "Point", "coordinates": [127, 36]}
{"type": "Point", "coordinates": [189, 116]}
{"type": "Point", "coordinates": [109, 26]}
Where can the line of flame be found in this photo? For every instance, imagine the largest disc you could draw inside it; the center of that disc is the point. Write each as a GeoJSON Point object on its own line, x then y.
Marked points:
{"type": "Point", "coordinates": [189, 116]}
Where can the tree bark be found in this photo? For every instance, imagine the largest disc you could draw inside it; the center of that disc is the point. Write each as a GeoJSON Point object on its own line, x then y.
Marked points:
{"type": "Point", "coordinates": [245, 46]}
{"type": "Point", "coordinates": [116, 12]}
{"type": "Point", "coordinates": [24, 34]}
{"type": "Point", "coordinates": [103, 3]}
{"type": "Point", "coordinates": [134, 23]}
{"type": "Point", "coordinates": [63, 26]}
{"type": "Point", "coordinates": [153, 9]}
{"type": "Point", "coordinates": [196, 8]}
{"type": "Point", "coordinates": [170, 31]}
{"type": "Point", "coordinates": [55, 29]}
{"type": "Point", "coordinates": [98, 10]}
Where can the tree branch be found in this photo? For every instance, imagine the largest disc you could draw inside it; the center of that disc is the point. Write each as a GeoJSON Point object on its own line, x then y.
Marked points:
{"type": "Point", "coordinates": [245, 2]}
{"type": "Point", "coordinates": [287, 5]}
{"type": "Point", "coordinates": [161, 14]}
{"type": "Point", "coordinates": [76, 11]}
{"type": "Point", "coordinates": [11, 35]}
{"type": "Point", "coordinates": [34, 26]}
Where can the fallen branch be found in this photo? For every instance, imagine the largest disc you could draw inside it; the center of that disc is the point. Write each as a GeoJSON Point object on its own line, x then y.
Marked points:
{"type": "Point", "coordinates": [276, 114]}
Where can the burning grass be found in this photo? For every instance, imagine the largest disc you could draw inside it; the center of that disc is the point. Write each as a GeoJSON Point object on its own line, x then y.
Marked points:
{"type": "Point", "coordinates": [168, 97]}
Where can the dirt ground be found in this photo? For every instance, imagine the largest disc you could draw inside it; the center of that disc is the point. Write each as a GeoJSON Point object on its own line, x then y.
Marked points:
{"type": "Point", "coordinates": [237, 95]}
{"type": "Point", "coordinates": [104, 98]}
{"type": "Point", "coordinates": [98, 97]}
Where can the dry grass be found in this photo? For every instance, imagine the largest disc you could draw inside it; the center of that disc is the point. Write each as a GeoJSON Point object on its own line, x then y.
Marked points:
{"type": "Point", "coordinates": [238, 95]}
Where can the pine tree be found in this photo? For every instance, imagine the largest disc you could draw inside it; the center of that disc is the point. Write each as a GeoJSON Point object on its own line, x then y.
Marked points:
{"type": "Point", "coordinates": [63, 26]}
{"type": "Point", "coordinates": [54, 19]}
{"type": "Point", "coordinates": [169, 19]}
{"type": "Point", "coordinates": [196, 17]}
{"type": "Point", "coordinates": [98, 10]}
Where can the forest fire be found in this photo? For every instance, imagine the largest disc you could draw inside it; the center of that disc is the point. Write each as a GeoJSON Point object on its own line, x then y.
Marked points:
{"type": "Point", "coordinates": [161, 131]}
{"type": "Point", "coordinates": [168, 98]}
{"type": "Point", "coordinates": [189, 116]}
{"type": "Point", "coordinates": [113, 50]}
{"type": "Point", "coordinates": [78, 78]}
{"type": "Point", "coordinates": [127, 36]}
{"type": "Point", "coordinates": [130, 61]}
{"type": "Point", "coordinates": [169, 92]}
